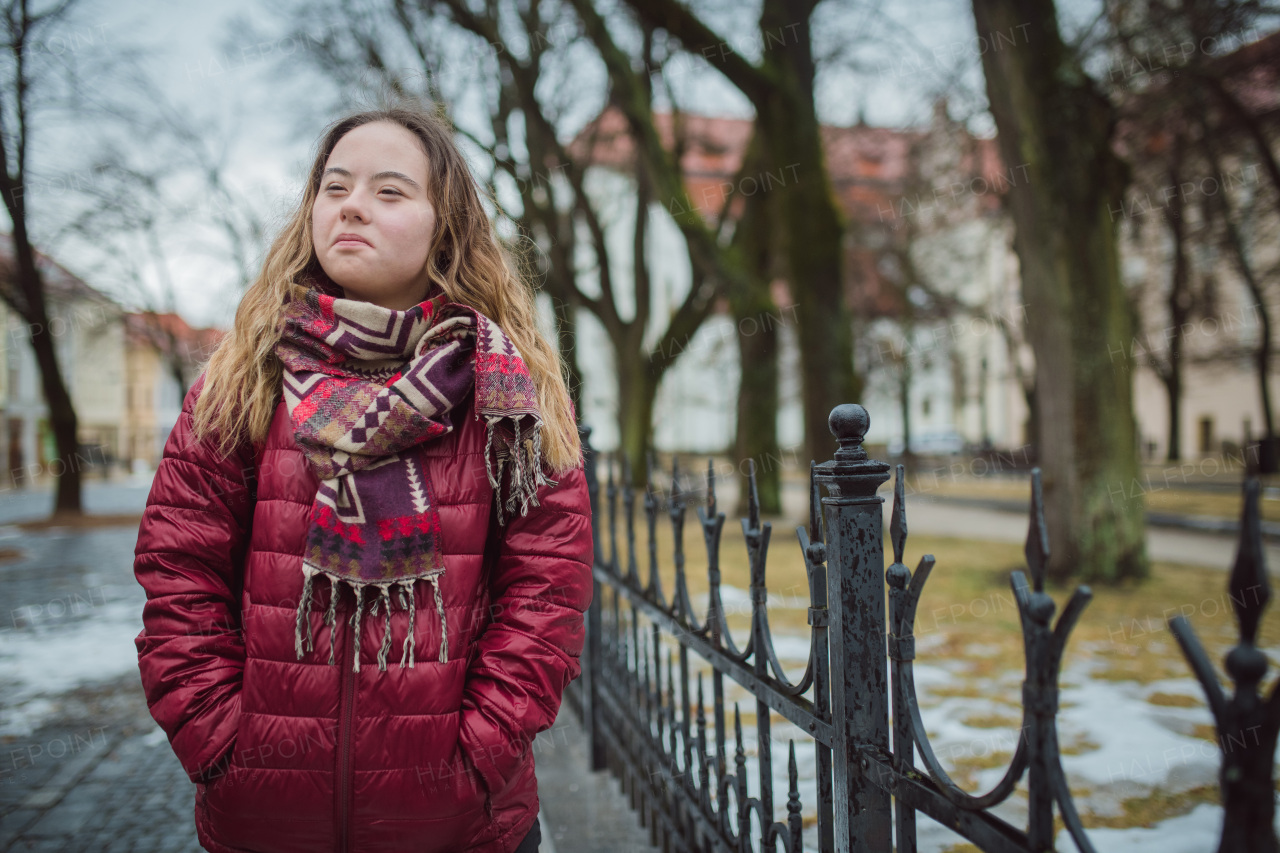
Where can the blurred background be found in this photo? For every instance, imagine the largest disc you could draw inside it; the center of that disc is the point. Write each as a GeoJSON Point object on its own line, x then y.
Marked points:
{"type": "Point", "coordinates": [1019, 234]}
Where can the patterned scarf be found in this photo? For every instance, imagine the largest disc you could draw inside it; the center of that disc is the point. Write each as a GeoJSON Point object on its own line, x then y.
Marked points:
{"type": "Point", "coordinates": [366, 386]}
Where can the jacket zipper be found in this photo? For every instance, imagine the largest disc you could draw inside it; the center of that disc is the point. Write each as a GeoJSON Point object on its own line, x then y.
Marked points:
{"type": "Point", "coordinates": [344, 742]}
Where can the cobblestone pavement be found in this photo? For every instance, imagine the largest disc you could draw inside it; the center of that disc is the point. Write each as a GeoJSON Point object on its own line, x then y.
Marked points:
{"type": "Point", "coordinates": [99, 777]}
{"type": "Point", "coordinates": [83, 767]}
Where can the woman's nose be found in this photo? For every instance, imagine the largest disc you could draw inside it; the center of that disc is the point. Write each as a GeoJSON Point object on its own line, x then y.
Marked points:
{"type": "Point", "coordinates": [354, 208]}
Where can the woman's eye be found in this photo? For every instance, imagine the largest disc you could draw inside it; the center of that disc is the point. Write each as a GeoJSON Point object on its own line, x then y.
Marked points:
{"type": "Point", "coordinates": [392, 190]}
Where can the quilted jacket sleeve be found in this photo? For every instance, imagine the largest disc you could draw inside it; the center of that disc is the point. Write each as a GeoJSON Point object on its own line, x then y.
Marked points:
{"type": "Point", "coordinates": [189, 559]}
{"type": "Point", "coordinates": [540, 587]}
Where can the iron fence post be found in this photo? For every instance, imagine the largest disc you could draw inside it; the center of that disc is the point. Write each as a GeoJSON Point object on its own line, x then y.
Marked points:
{"type": "Point", "coordinates": [859, 653]}
{"type": "Point", "coordinates": [594, 667]}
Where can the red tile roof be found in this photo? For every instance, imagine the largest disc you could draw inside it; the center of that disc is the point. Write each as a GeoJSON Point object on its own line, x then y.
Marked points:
{"type": "Point", "coordinates": [166, 331]}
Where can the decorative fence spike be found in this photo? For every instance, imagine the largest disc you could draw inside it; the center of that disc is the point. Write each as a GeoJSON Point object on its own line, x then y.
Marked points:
{"type": "Point", "coordinates": [815, 506]}
{"type": "Point", "coordinates": [711, 489]}
{"type": "Point", "coordinates": [898, 522]}
{"type": "Point", "coordinates": [1037, 549]}
{"type": "Point", "coordinates": [795, 822]}
{"type": "Point", "coordinates": [1250, 589]}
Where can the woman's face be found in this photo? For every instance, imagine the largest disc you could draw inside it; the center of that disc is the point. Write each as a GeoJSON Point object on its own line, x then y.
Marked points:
{"type": "Point", "coordinates": [372, 222]}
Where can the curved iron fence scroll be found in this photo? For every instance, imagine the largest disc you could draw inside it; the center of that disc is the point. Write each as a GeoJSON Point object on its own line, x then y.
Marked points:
{"type": "Point", "coordinates": [653, 724]}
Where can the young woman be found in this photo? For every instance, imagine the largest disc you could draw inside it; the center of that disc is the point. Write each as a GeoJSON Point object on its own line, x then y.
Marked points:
{"type": "Point", "coordinates": [380, 457]}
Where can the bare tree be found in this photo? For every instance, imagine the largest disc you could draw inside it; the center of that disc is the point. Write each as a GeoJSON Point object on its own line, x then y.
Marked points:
{"type": "Point", "coordinates": [780, 87]}
{"type": "Point", "coordinates": [138, 220]}
{"type": "Point", "coordinates": [1186, 107]}
{"type": "Point", "coordinates": [1230, 219]}
{"type": "Point", "coordinates": [737, 254]}
{"type": "Point", "coordinates": [25, 95]}
{"type": "Point", "coordinates": [1054, 118]}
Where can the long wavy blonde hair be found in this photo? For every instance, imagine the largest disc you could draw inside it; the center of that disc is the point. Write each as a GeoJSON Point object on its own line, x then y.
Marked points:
{"type": "Point", "coordinates": [467, 259]}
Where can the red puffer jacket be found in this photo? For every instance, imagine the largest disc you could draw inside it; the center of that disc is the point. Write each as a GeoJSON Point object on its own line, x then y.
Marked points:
{"type": "Point", "coordinates": [301, 755]}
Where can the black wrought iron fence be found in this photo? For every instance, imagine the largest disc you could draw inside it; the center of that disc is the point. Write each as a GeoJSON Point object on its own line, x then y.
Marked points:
{"type": "Point", "coordinates": [669, 742]}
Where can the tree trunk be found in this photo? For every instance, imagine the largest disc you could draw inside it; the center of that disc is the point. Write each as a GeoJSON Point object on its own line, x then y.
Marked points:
{"type": "Point", "coordinates": [756, 317]}
{"type": "Point", "coordinates": [904, 402]}
{"type": "Point", "coordinates": [62, 419]}
{"type": "Point", "coordinates": [757, 429]}
{"type": "Point", "coordinates": [1261, 356]}
{"type": "Point", "coordinates": [1033, 422]}
{"type": "Point", "coordinates": [1053, 121]}
{"type": "Point", "coordinates": [636, 389]}
{"type": "Point", "coordinates": [62, 414]}
{"type": "Point", "coordinates": [757, 433]}
{"type": "Point", "coordinates": [812, 227]}
{"type": "Point", "coordinates": [1179, 311]}
{"type": "Point", "coordinates": [566, 323]}
{"type": "Point", "coordinates": [1173, 387]}
{"type": "Point", "coordinates": [179, 373]}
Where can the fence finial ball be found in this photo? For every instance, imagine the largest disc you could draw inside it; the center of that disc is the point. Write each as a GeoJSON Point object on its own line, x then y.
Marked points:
{"type": "Point", "coordinates": [848, 422]}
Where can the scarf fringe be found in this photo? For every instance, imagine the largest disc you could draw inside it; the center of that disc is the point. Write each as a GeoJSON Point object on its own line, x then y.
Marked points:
{"type": "Point", "coordinates": [406, 600]}
{"type": "Point", "coordinates": [331, 618]}
{"type": "Point", "coordinates": [386, 634]}
{"type": "Point", "coordinates": [303, 607]}
{"type": "Point", "coordinates": [382, 594]}
{"type": "Point", "coordinates": [523, 460]}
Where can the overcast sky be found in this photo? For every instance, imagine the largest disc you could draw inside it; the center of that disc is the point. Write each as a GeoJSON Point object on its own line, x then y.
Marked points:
{"type": "Point", "coordinates": [224, 74]}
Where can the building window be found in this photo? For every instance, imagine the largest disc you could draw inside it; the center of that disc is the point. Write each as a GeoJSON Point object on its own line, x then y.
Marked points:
{"type": "Point", "coordinates": [924, 407]}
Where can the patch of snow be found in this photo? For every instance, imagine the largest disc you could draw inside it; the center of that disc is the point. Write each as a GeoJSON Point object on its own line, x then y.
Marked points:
{"type": "Point", "coordinates": [983, 650]}
{"type": "Point", "coordinates": [792, 648]}
{"type": "Point", "coordinates": [1136, 752]}
{"type": "Point", "coordinates": [22, 718]}
{"type": "Point", "coordinates": [49, 660]}
{"type": "Point", "coordinates": [155, 737]}
{"type": "Point", "coordinates": [737, 601]}
{"type": "Point", "coordinates": [1194, 832]}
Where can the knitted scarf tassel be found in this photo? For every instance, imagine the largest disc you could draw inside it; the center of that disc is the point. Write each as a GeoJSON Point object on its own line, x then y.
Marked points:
{"type": "Point", "coordinates": [383, 595]}
{"type": "Point", "coordinates": [525, 460]}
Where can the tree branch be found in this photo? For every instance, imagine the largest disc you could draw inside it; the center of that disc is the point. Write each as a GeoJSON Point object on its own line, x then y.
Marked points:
{"type": "Point", "coordinates": [698, 38]}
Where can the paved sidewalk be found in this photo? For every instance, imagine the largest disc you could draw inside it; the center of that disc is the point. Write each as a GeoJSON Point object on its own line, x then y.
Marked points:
{"type": "Point", "coordinates": [582, 811]}
{"type": "Point", "coordinates": [90, 782]}
{"type": "Point", "coordinates": [945, 518]}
